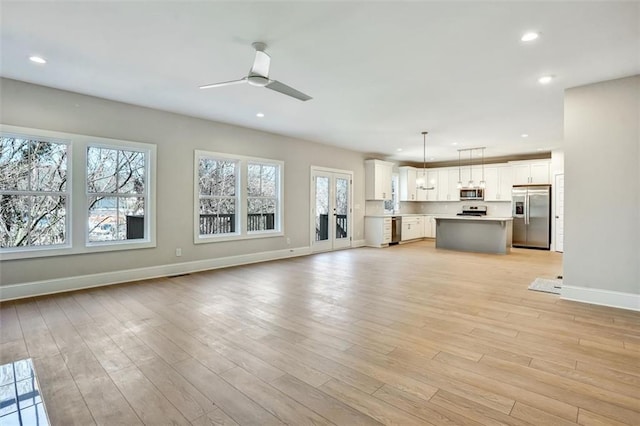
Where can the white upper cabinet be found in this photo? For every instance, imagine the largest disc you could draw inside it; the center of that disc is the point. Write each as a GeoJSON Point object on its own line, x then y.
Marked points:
{"type": "Point", "coordinates": [431, 182]}
{"type": "Point", "coordinates": [530, 172]}
{"type": "Point", "coordinates": [447, 187]}
{"type": "Point", "coordinates": [408, 188]}
{"type": "Point", "coordinates": [498, 183]}
{"type": "Point", "coordinates": [377, 179]}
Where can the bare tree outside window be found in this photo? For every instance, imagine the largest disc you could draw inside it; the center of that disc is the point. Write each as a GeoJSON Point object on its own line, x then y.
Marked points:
{"type": "Point", "coordinates": [116, 194]}
{"type": "Point", "coordinates": [34, 192]}
{"type": "Point", "coordinates": [217, 196]}
{"type": "Point", "coordinates": [262, 196]}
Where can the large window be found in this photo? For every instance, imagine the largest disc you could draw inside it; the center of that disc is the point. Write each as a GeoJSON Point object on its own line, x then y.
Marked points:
{"type": "Point", "coordinates": [116, 193]}
{"type": "Point", "coordinates": [109, 207]}
{"type": "Point", "coordinates": [218, 196]}
{"type": "Point", "coordinates": [237, 197]}
{"type": "Point", "coordinates": [34, 191]}
{"type": "Point", "coordinates": [262, 196]}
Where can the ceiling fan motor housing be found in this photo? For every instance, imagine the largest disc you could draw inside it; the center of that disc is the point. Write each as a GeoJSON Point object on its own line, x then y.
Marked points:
{"type": "Point", "coordinates": [257, 80]}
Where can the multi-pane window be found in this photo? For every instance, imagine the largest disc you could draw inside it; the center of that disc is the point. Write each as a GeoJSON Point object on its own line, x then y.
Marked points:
{"type": "Point", "coordinates": [262, 196]}
{"type": "Point", "coordinates": [217, 196]}
{"type": "Point", "coordinates": [116, 194]}
{"type": "Point", "coordinates": [34, 192]}
{"type": "Point", "coordinates": [236, 197]}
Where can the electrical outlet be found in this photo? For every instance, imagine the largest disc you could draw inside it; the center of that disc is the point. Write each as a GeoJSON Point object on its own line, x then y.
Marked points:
{"type": "Point", "coordinates": [288, 240]}
{"type": "Point", "coordinates": [178, 252]}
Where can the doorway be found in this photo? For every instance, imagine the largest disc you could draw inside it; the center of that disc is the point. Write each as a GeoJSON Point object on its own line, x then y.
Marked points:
{"type": "Point", "coordinates": [331, 208]}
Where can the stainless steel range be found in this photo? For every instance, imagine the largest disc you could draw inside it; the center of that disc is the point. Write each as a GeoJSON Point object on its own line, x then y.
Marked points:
{"type": "Point", "coordinates": [473, 211]}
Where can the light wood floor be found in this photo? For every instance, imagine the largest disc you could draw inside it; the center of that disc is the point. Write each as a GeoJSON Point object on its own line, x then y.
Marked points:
{"type": "Point", "coordinates": [406, 335]}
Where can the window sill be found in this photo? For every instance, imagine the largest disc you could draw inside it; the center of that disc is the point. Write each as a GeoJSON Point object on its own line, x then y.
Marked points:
{"type": "Point", "coordinates": [225, 238]}
{"type": "Point", "coordinates": [32, 253]}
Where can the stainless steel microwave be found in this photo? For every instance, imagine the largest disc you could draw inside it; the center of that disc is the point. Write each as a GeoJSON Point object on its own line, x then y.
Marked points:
{"type": "Point", "coordinates": [471, 194]}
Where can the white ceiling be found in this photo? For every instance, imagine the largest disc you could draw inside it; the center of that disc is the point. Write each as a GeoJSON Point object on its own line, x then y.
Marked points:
{"type": "Point", "coordinates": [379, 73]}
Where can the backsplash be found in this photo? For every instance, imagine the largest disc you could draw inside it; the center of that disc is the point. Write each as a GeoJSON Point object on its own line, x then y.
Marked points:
{"type": "Point", "coordinates": [494, 208]}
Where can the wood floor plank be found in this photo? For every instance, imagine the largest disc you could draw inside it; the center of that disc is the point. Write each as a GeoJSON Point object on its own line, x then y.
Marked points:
{"type": "Point", "coordinates": [234, 403]}
{"type": "Point", "coordinates": [426, 410]}
{"type": "Point", "coordinates": [10, 329]}
{"type": "Point", "coordinates": [409, 334]}
{"type": "Point", "coordinates": [277, 403]}
{"type": "Point", "coordinates": [323, 404]}
{"type": "Point", "coordinates": [182, 394]}
{"type": "Point", "coordinates": [148, 403]}
{"type": "Point", "coordinates": [369, 405]}
{"type": "Point", "coordinates": [105, 401]}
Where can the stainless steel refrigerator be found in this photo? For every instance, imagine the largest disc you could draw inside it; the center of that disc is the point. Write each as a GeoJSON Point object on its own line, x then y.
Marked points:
{"type": "Point", "coordinates": [531, 206]}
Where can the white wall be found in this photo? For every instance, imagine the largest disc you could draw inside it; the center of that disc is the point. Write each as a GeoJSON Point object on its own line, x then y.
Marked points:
{"type": "Point", "coordinates": [602, 193]}
{"type": "Point", "coordinates": [176, 137]}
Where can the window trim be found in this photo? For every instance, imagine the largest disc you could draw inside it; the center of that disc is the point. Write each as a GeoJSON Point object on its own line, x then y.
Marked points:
{"type": "Point", "coordinates": [146, 195]}
{"type": "Point", "coordinates": [78, 201]}
{"type": "Point", "coordinates": [241, 190]}
{"type": "Point", "coordinates": [31, 251]}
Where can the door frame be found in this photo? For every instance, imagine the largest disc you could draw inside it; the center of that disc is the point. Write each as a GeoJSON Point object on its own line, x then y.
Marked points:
{"type": "Point", "coordinates": [553, 213]}
{"type": "Point", "coordinates": [312, 200]}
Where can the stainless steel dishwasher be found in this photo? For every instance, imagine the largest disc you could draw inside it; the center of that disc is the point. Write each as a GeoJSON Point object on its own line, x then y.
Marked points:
{"type": "Point", "coordinates": [396, 229]}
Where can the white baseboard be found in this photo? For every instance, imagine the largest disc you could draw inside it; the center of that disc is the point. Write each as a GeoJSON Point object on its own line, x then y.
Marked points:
{"type": "Point", "coordinates": [358, 243]}
{"type": "Point", "coordinates": [596, 296]}
{"type": "Point", "coordinates": [39, 288]}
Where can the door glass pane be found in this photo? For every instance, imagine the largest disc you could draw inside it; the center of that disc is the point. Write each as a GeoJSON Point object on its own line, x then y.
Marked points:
{"type": "Point", "coordinates": [322, 208]}
{"type": "Point", "coordinates": [342, 207]}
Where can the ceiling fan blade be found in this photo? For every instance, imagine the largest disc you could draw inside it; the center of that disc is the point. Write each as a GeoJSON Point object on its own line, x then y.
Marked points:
{"type": "Point", "coordinates": [224, 83]}
{"type": "Point", "coordinates": [261, 64]}
{"type": "Point", "coordinates": [286, 90]}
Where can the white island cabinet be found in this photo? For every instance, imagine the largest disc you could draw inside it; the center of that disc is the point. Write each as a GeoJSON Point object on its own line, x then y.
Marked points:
{"type": "Point", "coordinates": [377, 185]}
{"type": "Point", "coordinates": [474, 234]}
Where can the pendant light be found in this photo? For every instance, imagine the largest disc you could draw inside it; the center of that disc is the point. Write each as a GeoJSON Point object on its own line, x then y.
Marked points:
{"type": "Point", "coordinates": [482, 182]}
{"type": "Point", "coordinates": [470, 170]}
{"type": "Point", "coordinates": [421, 182]}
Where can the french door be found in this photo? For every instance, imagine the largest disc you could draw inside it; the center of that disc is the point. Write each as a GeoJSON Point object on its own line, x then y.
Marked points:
{"type": "Point", "coordinates": [331, 201]}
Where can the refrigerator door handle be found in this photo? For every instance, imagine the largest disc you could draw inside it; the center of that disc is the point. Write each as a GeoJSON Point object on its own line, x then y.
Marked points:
{"type": "Point", "coordinates": [526, 209]}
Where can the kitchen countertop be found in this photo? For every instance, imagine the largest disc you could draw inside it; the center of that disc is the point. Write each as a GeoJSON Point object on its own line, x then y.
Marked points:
{"type": "Point", "coordinates": [485, 218]}
{"type": "Point", "coordinates": [407, 215]}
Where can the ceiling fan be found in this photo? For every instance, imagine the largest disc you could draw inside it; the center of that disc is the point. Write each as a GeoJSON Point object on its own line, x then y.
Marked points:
{"type": "Point", "coordinates": [259, 76]}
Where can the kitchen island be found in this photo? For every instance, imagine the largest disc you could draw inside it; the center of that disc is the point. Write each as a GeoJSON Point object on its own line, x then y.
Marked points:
{"type": "Point", "coordinates": [476, 234]}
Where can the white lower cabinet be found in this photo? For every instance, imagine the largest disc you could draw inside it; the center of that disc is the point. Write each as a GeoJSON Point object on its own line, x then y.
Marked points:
{"type": "Point", "coordinates": [429, 226]}
{"type": "Point", "coordinates": [412, 228]}
{"type": "Point", "coordinates": [377, 231]}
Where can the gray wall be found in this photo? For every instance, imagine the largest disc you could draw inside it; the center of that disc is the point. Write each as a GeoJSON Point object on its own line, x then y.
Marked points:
{"type": "Point", "coordinates": [602, 186]}
{"type": "Point", "coordinates": [176, 137]}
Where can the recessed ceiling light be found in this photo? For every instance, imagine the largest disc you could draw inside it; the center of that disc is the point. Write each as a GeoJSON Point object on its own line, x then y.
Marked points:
{"type": "Point", "coordinates": [530, 36]}
{"type": "Point", "coordinates": [37, 59]}
{"type": "Point", "coordinates": [524, 135]}
{"type": "Point", "coordinates": [260, 115]}
{"type": "Point", "coordinates": [540, 149]}
{"type": "Point", "coordinates": [545, 79]}
{"type": "Point", "coordinates": [399, 149]}
{"type": "Point", "coordinates": [454, 143]}
{"type": "Point", "coordinates": [432, 158]}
